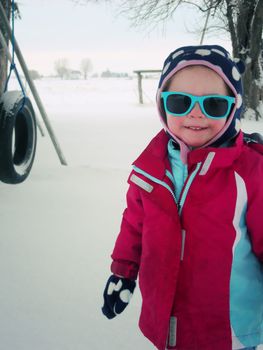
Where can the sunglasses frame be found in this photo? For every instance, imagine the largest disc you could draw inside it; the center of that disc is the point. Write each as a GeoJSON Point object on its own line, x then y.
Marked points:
{"type": "Point", "coordinates": [200, 99]}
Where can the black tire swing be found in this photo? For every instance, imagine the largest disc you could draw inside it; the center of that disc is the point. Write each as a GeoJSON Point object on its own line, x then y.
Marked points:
{"type": "Point", "coordinates": [17, 137]}
{"type": "Point", "coordinates": [18, 133]}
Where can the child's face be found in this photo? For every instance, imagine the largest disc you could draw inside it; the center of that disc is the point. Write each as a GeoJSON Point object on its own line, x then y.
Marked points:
{"type": "Point", "coordinates": [195, 129]}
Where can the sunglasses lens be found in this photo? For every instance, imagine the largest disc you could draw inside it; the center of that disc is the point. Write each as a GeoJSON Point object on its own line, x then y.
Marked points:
{"type": "Point", "coordinates": [178, 104]}
{"type": "Point", "coordinates": [216, 106]}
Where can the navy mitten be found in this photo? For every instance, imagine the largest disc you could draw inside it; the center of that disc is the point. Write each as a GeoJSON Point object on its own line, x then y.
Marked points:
{"type": "Point", "coordinates": [117, 295]}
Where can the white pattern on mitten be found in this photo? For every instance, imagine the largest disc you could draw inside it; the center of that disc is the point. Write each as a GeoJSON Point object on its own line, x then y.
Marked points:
{"type": "Point", "coordinates": [114, 287]}
{"type": "Point", "coordinates": [125, 296]}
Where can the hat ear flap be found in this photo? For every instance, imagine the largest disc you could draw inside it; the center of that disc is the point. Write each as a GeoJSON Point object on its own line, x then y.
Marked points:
{"type": "Point", "coordinates": [240, 65]}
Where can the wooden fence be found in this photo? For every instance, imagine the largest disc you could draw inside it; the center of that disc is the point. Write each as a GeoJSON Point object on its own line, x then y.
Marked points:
{"type": "Point", "coordinates": [140, 77]}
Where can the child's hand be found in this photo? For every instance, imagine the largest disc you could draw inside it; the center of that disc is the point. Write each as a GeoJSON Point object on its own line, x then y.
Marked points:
{"type": "Point", "coordinates": [117, 295]}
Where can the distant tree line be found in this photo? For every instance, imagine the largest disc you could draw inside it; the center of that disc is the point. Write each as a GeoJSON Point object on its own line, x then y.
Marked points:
{"type": "Point", "coordinates": [108, 74]}
{"type": "Point", "coordinates": [65, 72]}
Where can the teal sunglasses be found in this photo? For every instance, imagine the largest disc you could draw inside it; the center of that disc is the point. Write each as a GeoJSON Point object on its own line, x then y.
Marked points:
{"type": "Point", "coordinates": [180, 104]}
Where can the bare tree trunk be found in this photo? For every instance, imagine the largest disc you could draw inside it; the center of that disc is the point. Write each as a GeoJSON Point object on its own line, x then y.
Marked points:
{"type": "Point", "coordinates": [247, 45]}
{"type": "Point", "coordinates": [256, 62]}
{"type": "Point", "coordinates": [3, 56]}
{"type": "Point", "coordinates": [230, 13]}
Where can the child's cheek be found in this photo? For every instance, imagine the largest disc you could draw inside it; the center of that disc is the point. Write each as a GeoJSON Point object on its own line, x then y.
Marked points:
{"type": "Point", "coordinates": [174, 124]}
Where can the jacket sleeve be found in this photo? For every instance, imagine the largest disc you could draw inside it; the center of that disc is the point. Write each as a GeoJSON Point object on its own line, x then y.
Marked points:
{"type": "Point", "coordinates": [127, 251]}
{"type": "Point", "coordinates": [254, 215]}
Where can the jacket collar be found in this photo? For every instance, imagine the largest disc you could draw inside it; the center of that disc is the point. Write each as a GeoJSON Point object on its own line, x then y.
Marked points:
{"type": "Point", "coordinates": [223, 156]}
{"type": "Point", "coordinates": [154, 159]}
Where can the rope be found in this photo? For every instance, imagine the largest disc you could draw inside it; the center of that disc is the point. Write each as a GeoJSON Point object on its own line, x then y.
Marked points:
{"type": "Point", "coordinates": [12, 64]}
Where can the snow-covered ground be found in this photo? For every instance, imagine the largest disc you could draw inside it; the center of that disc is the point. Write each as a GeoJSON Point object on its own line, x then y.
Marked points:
{"type": "Point", "coordinates": [58, 227]}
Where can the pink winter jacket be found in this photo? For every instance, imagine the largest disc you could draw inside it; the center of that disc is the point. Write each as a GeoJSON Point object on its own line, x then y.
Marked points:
{"type": "Point", "coordinates": [199, 260]}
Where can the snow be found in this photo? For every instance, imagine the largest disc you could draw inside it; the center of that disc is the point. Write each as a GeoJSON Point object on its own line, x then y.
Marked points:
{"type": "Point", "coordinates": [260, 108]}
{"type": "Point", "coordinates": [59, 226]}
{"type": "Point", "coordinates": [250, 114]}
{"type": "Point", "coordinates": [10, 99]}
{"type": "Point", "coordinates": [248, 60]}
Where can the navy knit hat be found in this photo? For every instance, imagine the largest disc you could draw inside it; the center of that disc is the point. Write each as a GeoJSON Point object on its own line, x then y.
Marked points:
{"type": "Point", "coordinates": [219, 60]}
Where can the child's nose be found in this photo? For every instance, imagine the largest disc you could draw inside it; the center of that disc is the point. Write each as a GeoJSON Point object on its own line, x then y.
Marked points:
{"type": "Point", "coordinates": [196, 112]}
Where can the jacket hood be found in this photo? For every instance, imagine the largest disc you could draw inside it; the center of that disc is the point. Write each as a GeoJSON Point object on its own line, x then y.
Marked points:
{"type": "Point", "coordinates": [219, 60]}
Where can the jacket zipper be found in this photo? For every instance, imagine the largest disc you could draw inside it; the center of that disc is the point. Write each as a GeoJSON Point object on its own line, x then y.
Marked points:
{"type": "Point", "coordinates": [186, 187]}
{"type": "Point", "coordinates": [183, 195]}
{"type": "Point", "coordinates": [182, 198]}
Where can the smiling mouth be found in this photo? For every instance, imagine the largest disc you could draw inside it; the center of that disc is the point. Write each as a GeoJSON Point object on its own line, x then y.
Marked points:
{"type": "Point", "coordinates": [195, 128]}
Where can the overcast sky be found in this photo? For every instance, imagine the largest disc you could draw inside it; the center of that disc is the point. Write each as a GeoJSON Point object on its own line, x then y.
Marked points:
{"type": "Point", "coordinates": [50, 30]}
